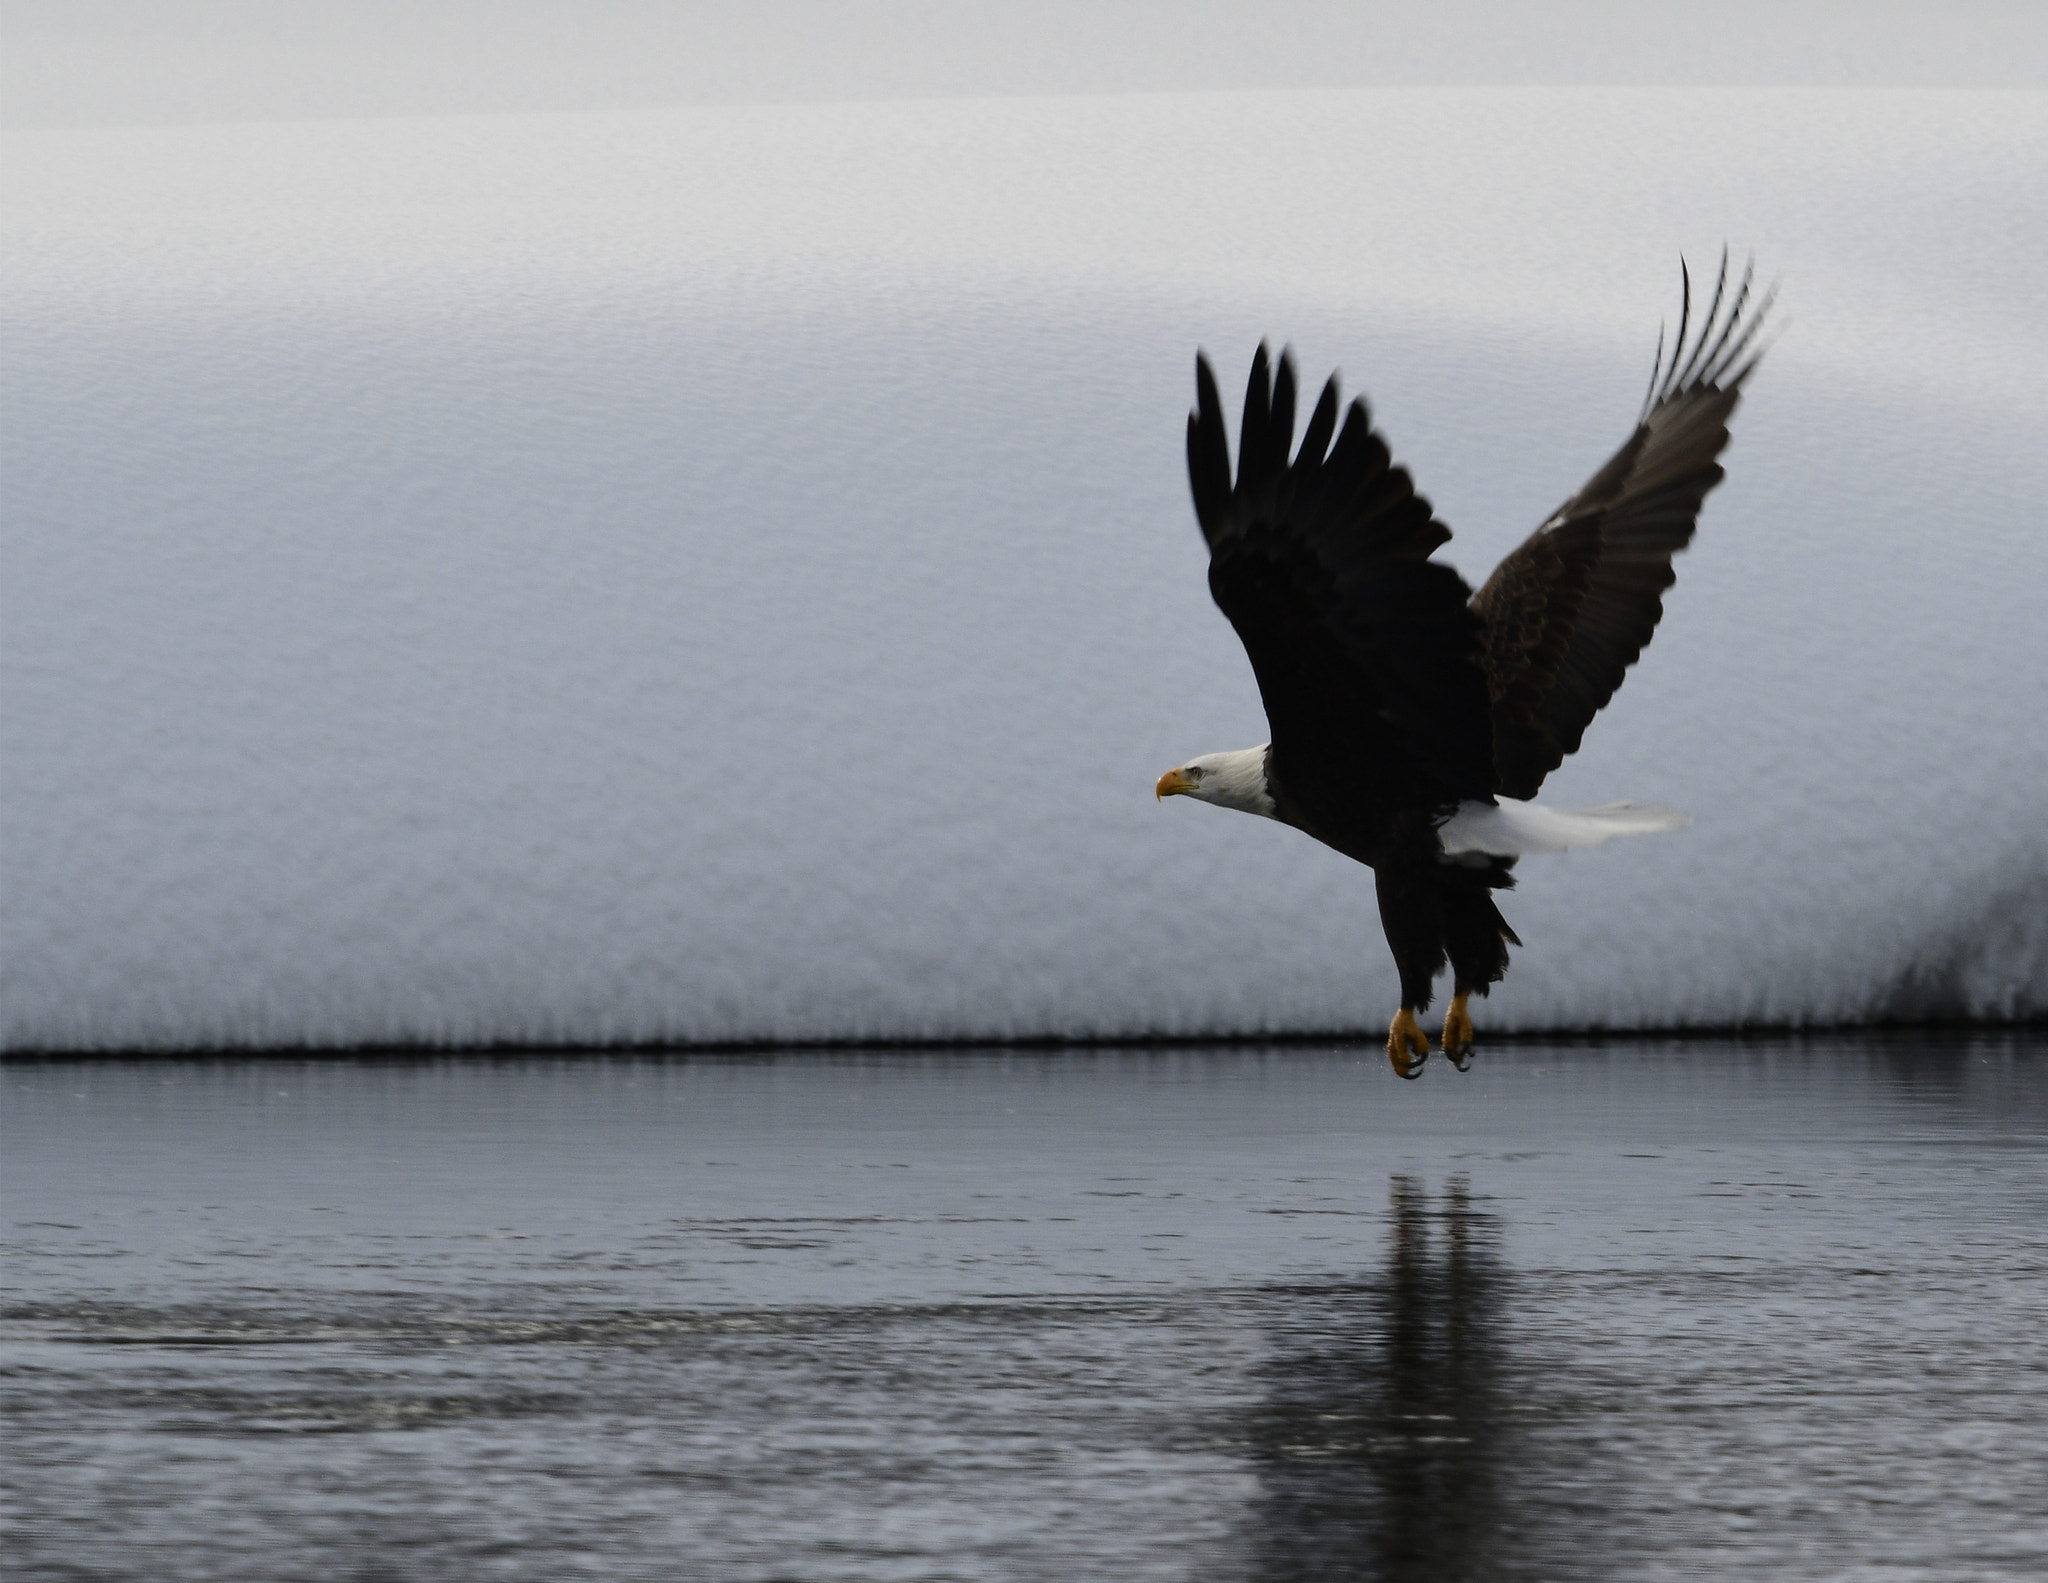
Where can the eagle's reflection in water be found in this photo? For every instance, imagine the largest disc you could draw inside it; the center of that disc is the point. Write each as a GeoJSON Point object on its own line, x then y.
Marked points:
{"type": "Point", "coordinates": [1384, 1445]}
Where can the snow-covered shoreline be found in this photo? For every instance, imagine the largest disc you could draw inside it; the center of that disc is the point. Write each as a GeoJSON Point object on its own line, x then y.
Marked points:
{"type": "Point", "coordinates": [617, 577]}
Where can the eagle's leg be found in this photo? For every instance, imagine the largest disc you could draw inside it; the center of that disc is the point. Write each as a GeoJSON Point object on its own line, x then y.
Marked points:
{"type": "Point", "coordinates": [1412, 915]}
{"type": "Point", "coordinates": [1458, 1032]}
{"type": "Point", "coordinates": [1407, 1045]}
{"type": "Point", "coordinates": [1477, 938]}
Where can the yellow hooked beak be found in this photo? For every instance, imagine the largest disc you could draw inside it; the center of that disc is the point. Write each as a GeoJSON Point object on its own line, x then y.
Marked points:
{"type": "Point", "coordinates": [1173, 784]}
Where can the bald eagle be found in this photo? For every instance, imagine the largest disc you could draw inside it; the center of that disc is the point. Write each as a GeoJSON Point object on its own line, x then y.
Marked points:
{"type": "Point", "coordinates": [1413, 720]}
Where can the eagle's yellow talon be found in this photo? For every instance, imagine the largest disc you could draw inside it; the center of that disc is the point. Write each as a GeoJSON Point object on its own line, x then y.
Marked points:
{"type": "Point", "coordinates": [1458, 1033]}
{"type": "Point", "coordinates": [1407, 1044]}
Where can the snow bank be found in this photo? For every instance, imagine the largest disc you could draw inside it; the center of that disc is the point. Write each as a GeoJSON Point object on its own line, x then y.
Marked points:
{"type": "Point", "coordinates": [727, 574]}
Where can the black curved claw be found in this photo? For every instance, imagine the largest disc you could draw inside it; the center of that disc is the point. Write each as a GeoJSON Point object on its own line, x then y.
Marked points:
{"type": "Point", "coordinates": [1413, 1070]}
{"type": "Point", "coordinates": [1461, 1059]}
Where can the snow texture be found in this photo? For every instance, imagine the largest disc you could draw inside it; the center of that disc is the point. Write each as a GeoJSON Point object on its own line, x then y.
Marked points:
{"type": "Point", "coordinates": [727, 574]}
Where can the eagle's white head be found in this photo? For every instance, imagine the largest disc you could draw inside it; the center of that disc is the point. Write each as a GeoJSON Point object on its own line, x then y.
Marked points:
{"type": "Point", "coordinates": [1229, 780]}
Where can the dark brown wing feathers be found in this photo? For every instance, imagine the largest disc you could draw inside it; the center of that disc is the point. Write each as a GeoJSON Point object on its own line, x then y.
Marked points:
{"type": "Point", "coordinates": [1568, 612]}
{"type": "Point", "coordinates": [1366, 651]}
{"type": "Point", "coordinates": [1381, 679]}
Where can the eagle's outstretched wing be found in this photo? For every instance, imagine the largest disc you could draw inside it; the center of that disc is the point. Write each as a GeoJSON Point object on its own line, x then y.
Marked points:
{"type": "Point", "coordinates": [1366, 651]}
{"type": "Point", "coordinates": [1565, 615]}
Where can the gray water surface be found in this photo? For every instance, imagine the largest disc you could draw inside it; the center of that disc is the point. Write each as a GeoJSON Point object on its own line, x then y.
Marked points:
{"type": "Point", "coordinates": [1627, 1310]}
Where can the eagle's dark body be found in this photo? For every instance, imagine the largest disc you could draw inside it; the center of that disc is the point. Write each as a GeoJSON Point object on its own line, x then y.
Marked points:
{"type": "Point", "coordinates": [1394, 693]}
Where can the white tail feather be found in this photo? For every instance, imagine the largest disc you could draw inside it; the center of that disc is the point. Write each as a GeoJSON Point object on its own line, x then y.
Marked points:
{"type": "Point", "coordinates": [1510, 829]}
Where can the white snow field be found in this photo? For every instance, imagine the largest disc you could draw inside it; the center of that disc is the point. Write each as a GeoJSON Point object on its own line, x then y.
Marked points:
{"type": "Point", "coordinates": [727, 573]}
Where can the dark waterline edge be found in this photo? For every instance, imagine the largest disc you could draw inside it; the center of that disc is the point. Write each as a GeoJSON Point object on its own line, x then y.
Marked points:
{"type": "Point", "coordinates": [2025, 1028]}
